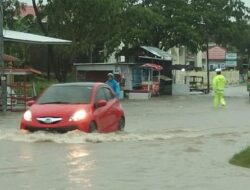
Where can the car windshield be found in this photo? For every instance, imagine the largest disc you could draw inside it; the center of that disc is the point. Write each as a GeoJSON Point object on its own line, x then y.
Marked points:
{"type": "Point", "coordinates": [74, 94]}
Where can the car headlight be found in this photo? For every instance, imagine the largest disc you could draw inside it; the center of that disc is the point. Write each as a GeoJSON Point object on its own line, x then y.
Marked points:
{"type": "Point", "coordinates": [79, 115]}
{"type": "Point", "coordinates": [27, 115]}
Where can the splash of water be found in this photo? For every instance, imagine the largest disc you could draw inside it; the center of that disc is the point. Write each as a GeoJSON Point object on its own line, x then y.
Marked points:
{"type": "Point", "coordinates": [80, 137]}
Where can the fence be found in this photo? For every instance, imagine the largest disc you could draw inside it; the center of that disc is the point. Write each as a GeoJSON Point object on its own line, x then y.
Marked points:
{"type": "Point", "coordinates": [232, 77]}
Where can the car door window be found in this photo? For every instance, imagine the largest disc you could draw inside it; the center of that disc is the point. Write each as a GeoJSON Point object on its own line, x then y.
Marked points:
{"type": "Point", "coordinates": [109, 94]}
{"type": "Point", "coordinates": [100, 95]}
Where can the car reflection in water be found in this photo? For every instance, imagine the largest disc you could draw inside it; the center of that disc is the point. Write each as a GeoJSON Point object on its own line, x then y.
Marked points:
{"type": "Point", "coordinates": [79, 165]}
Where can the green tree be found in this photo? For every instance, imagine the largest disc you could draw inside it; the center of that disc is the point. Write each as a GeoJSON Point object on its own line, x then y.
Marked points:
{"type": "Point", "coordinates": [220, 21]}
{"type": "Point", "coordinates": [92, 25]}
{"type": "Point", "coordinates": [11, 12]}
{"type": "Point", "coordinates": [194, 22]}
{"type": "Point", "coordinates": [141, 25]}
{"type": "Point", "coordinates": [13, 20]}
{"type": "Point", "coordinates": [95, 25]}
{"type": "Point", "coordinates": [89, 24]}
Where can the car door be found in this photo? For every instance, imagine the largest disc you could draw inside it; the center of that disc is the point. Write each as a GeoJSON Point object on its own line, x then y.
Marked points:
{"type": "Point", "coordinates": [111, 109]}
{"type": "Point", "coordinates": [101, 114]}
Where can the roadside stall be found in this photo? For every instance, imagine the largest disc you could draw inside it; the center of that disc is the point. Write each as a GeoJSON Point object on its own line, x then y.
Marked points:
{"type": "Point", "coordinates": [151, 76]}
{"type": "Point", "coordinates": [19, 90]}
{"type": "Point", "coordinates": [146, 81]}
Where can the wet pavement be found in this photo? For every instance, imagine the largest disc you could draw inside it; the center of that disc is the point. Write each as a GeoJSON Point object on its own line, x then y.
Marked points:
{"type": "Point", "coordinates": [169, 143]}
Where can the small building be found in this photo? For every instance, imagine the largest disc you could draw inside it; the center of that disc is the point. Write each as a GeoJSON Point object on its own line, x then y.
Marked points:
{"type": "Point", "coordinates": [219, 57]}
{"type": "Point", "coordinates": [14, 36]}
{"type": "Point", "coordinates": [129, 73]}
{"type": "Point", "coordinates": [97, 72]}
{"type": "Point", "coordinates": [27, 10]}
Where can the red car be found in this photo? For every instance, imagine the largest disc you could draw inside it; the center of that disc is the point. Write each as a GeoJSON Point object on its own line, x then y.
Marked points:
{"type": "Point", "coordinates": [88, 107]}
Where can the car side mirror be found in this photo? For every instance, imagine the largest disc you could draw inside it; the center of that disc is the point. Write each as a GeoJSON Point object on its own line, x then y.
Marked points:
{"type": "Point", "coordinates": [31, 102]}
{"type": "Point", "coordinates": [100, 103]}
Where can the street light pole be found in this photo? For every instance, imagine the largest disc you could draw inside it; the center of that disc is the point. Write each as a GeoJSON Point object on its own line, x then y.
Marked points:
{"type": "Point", "coordinates": [3, 77]}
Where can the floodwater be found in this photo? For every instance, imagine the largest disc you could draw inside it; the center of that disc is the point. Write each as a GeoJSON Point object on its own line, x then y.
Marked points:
{"type": "Point", "coordinates": [170, 143]}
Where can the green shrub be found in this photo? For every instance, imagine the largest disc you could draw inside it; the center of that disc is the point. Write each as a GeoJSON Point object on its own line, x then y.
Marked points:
{"type": "Point", "coordinates": [242, 158]}
{"type": "Point", "coordinates": [41, 84]}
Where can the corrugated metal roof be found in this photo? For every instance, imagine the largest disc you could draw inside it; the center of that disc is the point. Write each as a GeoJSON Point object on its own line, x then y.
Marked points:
{"type": "Point", "coordinates": [10, 35]}
{"type": "Point", "coordinates": [158, 52]}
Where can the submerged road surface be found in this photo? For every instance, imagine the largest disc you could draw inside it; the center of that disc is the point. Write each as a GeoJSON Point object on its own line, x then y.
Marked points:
{"type": "Point", "coordinates": [170, 143]}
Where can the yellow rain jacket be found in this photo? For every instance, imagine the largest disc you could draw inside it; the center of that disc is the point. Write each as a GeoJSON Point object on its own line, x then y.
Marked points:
{"type": "Point", "coordinates": [219, 83]}
{"type": "Point", "coordinates": [218, 87]}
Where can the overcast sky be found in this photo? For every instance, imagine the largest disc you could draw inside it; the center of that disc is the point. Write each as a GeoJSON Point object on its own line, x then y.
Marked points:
{"type": "Point", "coordinates": [247, 2]}
{"type": "Point", "coordinates": [30, 2]}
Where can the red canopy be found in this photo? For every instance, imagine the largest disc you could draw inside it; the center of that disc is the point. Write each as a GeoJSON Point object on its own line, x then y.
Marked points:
{"type": "Point", "coordinates": [9, 58]}
{"type": "Point", "coordinates": [153, 66]}
{"type": "Point", "coordinates": [26, 71]}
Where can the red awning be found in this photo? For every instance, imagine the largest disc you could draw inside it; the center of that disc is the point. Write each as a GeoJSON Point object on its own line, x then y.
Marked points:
{"type": "Point", "coordinates": [9, 58]}
{"type": "Point", "coordinates": [26, 71]}
{"type": "Point", "coordinates": [153, 66]}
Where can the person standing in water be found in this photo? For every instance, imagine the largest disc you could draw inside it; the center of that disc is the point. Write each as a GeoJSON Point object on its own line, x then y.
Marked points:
{"type": "Point", "coordinates": [218, 87]}
{"type": "Point", "coordinates": [113, 84]}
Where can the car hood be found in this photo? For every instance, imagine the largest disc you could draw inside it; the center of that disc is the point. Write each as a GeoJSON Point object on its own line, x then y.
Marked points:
{"type": "Point", "coordinates": [57, 110]}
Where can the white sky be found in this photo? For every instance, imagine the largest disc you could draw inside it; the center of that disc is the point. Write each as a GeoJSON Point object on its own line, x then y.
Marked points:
{"type": "Point", "coordinates": [26, 1]}
{"type": "Point", "coordinates": [247, 2]}
{"type": "Point", "coordinates": [30, 1]}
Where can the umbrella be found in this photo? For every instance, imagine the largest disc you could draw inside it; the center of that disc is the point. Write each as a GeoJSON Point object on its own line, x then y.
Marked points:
{"type": "Point", "coordinates": [153, 66]}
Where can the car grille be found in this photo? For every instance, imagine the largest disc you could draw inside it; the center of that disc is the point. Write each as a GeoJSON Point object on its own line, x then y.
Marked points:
{"type": "Point", "coordinates": [51, 129]}
{"type": "Point", "coordinates": [49, 120]}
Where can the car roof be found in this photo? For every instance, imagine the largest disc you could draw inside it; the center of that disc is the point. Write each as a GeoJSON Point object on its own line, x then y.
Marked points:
{"type": "Point", "coordinates": [89, 84]}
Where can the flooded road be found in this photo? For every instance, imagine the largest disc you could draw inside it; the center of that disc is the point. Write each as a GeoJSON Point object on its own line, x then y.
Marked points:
{"type": "Point", "coordinates": [169, 143]}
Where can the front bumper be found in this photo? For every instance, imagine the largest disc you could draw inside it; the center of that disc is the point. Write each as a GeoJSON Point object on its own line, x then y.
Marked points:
{"type": "Point", "coordinates": [64, 129]}
{"type": "Point", "coordinates": [61, 127]}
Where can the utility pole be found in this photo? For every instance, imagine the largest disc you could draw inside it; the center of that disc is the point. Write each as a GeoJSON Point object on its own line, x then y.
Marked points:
{"type": "Point", "coordinates": [208, 69]}
{"type": "Point", "coordinates": [3, 77]}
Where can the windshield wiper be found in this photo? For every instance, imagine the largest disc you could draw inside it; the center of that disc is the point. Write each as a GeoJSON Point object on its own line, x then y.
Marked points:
{"type": "Point", "coordinates": [56, 102]}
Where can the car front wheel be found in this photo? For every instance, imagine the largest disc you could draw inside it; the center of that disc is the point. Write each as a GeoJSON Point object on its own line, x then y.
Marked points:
{"type": "Point", "coordinates": [121, 124]}
{"type": "Point", "coordinates": [92, 127]}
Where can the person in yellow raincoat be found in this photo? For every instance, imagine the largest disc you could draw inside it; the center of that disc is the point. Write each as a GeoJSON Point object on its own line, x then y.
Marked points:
{"type": "Point", "coordinates": [218, 87]}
